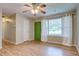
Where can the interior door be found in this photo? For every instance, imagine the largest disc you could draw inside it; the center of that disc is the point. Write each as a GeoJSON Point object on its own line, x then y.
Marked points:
{"type": "Point", "coordinates": [37, 31]}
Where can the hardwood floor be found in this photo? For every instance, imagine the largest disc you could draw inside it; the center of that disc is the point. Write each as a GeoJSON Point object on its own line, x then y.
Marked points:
{"type": "Point", "coordinates": [36, 49]}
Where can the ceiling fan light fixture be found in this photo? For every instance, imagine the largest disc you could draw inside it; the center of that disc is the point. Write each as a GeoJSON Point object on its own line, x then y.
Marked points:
{"type": "Point", "coordinates": [34, 11]}
{"type": "Point", "coordinates": [35, 8]}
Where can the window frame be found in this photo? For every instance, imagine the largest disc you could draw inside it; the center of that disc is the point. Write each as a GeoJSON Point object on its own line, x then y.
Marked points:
{"type": "Point", "coordinates": [61, 28]}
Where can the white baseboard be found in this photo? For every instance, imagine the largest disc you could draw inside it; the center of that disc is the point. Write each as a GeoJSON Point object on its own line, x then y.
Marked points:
{"type": "Point", "coordinates": [10, 42]}
{"type": "Point", "coordinates": [16, 43]}
{"type": "Point", "coordinates": [43, 40]}
{"type": "Point", "coordinates": [19, 42]}
{"type": "Point", "coordinates": [77, 48]}
{"type": "Point", "coordinates": [66, 44]}
{"type": "Point", "coordinates": [30, 40]}
{"type": "Point", "coordinates": [23, 41]}
{"type": "Point", "coordinates": [0, 47]}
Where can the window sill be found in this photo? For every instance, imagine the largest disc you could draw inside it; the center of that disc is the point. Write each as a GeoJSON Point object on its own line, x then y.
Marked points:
{"type": "Point", "coordinates": [56, 35]}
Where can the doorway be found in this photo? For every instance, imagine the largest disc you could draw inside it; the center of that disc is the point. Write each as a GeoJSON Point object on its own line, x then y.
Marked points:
{"type": "Point", "coordinates": [37, 31]}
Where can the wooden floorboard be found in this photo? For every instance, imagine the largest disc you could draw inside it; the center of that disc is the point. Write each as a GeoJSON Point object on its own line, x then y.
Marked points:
{"type": "Point", "coordinates": [36, 49]}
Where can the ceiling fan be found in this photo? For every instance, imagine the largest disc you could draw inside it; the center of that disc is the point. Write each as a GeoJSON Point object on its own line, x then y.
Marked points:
{"type": "Point", "coordinates": [35, 8]}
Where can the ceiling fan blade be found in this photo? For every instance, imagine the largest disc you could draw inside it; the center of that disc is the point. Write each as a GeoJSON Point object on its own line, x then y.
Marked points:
{"type": "Point", "coordinates": [43, 11]}
{"type": "Point", "coordinates": [42, 5]}
{"type": "Point", "coordinates": [33, 3]}
{"type": "Point", "coordinates": [25, 11]}
{"type": "Point", "coordinates": [27, 5]}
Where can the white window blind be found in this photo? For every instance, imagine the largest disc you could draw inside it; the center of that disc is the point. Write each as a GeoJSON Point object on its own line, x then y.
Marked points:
{"type": "Point", "coordinates": [55, 26]}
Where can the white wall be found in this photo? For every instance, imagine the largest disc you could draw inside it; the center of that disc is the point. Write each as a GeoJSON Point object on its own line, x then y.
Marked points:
{"type": "Point", "coordinates": [77, 42]}
{"type": "Point", "coordinates": [22, 29]}
{"type": "Point", "coordinates": [9, 29]}
{"type": "Point", "coordinates": [19, 28]}
{"type": "Point", "coordinates": [26, 29]}
{"type": "Point", "coordinates": [4, 29]}
{"type": "Point", "coordinates": [31, 30]}
{"type": "Point", "coordinates": [0, 28]}
{"type": "Point", "coordinates": [74, 29]}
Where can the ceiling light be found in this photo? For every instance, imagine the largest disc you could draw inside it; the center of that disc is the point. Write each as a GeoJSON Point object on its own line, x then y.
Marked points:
{"type": "Point", "coordinates": [35, 7]}
{"type": "Point", "coordinates": [32, 11]}
{"type": "Point", "coordinates": [36, 11]}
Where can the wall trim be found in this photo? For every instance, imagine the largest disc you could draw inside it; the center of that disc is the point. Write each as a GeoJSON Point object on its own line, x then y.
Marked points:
{"type": "Point", "coordinates": [19, 42]}
{"type": "Point", "coordinates": [28, 40]}
{"type": "Point", "coordinates": [23, 41]}
{"type": "Point", "coordinates": [10, 41]}
{"type": "Point", "coordinates": [15, 43]}
{"type": "Point", "coordinates": [0, 47]}
{"type": "Point", "coordinates": [66, 44]}
{"type": "Point", "coordinates": [43, 40]}
{"type": "Point", "coordinates": [77, 48]}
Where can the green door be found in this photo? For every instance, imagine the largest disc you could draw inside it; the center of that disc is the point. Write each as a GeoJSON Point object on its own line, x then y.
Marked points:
{"type": "Point", "coordinates": [37, 31]}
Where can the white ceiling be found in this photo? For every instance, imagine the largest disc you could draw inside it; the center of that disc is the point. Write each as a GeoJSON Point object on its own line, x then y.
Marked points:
{"type": "Point", "coordinates": [51, 8]}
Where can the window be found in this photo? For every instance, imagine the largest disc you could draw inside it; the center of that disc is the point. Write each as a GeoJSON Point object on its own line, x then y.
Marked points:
{"type": "Point", "coordinates": [55, 27]}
